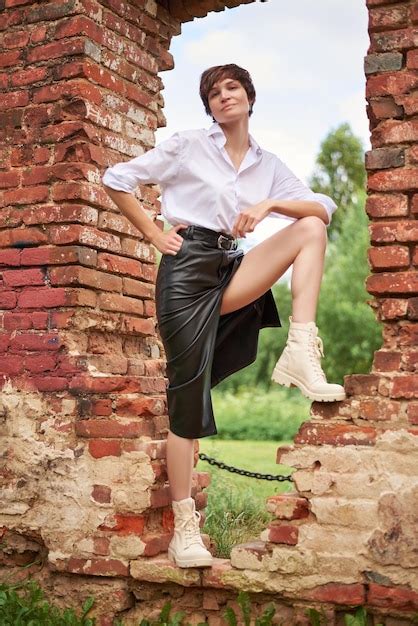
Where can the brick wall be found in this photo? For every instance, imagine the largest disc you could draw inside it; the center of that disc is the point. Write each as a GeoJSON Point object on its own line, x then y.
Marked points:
{"type": "Point", "coordinates": [83, 411]}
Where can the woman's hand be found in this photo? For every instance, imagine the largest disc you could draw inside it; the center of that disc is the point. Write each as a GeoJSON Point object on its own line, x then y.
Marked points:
{"type": "Point", "coordinates": [169, 242]}
{"type": "Point", "coordinates": [248, 219]}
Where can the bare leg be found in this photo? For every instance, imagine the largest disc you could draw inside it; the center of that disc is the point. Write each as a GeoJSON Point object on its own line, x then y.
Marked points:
{"type": "Point", "coordinates": [302, 243]}
{"type": "Point", "coordinates": [180, 463]}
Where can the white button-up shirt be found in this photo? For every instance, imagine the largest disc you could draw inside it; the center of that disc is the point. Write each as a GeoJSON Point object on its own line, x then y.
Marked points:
{"type": "Point", "coordinates": [200, 185]}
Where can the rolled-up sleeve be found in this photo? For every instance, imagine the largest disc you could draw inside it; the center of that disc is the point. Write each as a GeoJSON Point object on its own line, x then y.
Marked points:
{"type": "Point", "coordinates": [159, 165]}
{"type": "Point", "coordinates": [287, 186]}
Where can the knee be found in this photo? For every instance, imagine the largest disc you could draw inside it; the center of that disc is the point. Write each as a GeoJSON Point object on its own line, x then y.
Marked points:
{"type": "Point", "coordinates": [314, 227]}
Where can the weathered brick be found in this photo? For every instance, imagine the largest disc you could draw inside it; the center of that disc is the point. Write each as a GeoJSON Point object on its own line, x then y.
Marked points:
{"type": "Point", "coordinates": [382, 108]}
{"type": "Point", "coordinates": [396, 283]}
{"type": "Point", "coordinates": [100, 448]}
{"type": "Point", "coordinates": [399, 230]}
{"type": "Point", "coordinates": [388, 132]}
{"type": "Point", "coordinates": [381, 158]}
{"type": "Point", "coordinates": [21, 278]}
{"type": "Point", "coordinates": [392, 308]}
{"type": "Point", "coordinates": [375, 410]}
{"type": "Point", "coordinates": [401, 598]}
{"type": "Point", "coordinates": [383, 62]}
{"type": "Point", "coordinates": [389, 257]}
{"type": "Point", "coordinates": [391, 83]}
{"type": "Point", "coordinates": [335, 434]}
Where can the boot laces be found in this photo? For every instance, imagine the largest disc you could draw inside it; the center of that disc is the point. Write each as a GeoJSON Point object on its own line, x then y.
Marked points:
{"type": "Point", "coordinates": [316, 351]}
{"type": "Point", "coordinates": [191, 529]}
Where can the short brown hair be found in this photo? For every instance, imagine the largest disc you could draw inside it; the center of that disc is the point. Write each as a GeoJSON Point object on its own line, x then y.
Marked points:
{"type": "Point", "coordinates": [210, 76]}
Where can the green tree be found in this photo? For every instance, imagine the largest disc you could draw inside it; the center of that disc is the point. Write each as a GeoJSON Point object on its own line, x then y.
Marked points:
{"type": "Point", "coordinates": [339, 172]}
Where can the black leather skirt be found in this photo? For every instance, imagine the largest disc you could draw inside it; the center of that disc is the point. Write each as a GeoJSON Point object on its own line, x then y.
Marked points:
{"type": "Point", "coordinates": [201, 346]}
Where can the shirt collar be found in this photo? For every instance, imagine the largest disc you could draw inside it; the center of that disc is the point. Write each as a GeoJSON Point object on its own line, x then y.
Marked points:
{"type": "Point", "coordinates": [219, 137]}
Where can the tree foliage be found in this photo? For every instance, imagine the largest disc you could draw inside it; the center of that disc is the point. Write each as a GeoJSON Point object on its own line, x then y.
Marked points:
{"type": "Point", "coordinates": [339, 172]}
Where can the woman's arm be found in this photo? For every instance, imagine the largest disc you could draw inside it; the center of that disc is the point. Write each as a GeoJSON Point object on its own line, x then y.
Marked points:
{"type": "Point", "coordinates": [248, 219]}
{"type": "Point", "coordinates": [299, 208]}
{"type": "Point", "coordinates": [167, 243]}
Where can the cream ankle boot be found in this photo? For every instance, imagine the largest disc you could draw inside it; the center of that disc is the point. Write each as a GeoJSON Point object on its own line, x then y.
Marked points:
{"type": "Point", "coordinates": [300, 364]}
{"type": "Point", "coordinates": [186, 548]}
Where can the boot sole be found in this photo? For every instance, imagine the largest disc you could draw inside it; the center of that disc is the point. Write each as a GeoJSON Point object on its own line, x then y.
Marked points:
{"type": "Point", "coordinates": [284, 379]}
{"type": "Point", "coordinates": [201, 562]}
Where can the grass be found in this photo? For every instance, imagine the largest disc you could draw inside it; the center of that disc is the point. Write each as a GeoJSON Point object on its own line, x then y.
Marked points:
{"type": "Point", "coordinates": [236, 510]}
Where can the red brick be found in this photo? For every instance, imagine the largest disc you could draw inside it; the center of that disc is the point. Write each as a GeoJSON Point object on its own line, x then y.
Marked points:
{"type": "Point", "coordinates": [383, 108]}
{"type": "Point", "coordinates": [20, 278]}
{"type": "Point", "coordinates": [408, 334]}
{"type": "Point", "coordinates": [101, 493]}
{"type": "Point", "coordinates": [412, 60]}
{"type": "Point", "coordinates": [283, 533]}
{"type": "Point", "coordinates": [377, 410]}
{"type": "Point", "coordinates": [361, 384]}
{"type": "Point", "coordinates": [75, 233]}
{"type": "Point", "coordinates": [13, 99]}
{"type": "Point", "coordinates": [8, 299]}
{"type": "Point", "coordinates": [50, 383]}
{"type": "Point", "coordinates": [62, 255]}
{"type": "Point", "coordinates": [400, 230]}
{"type": "Point", "coordinates": [412, 411]}
{"type": "Point", "coordinates": [385, 17]}
{"type": "Point", "coordinates": [388, 257]}
{"type": "Point", "coordinates": [394, 131]}
{"type": "Point", "coordinates": [393, 308]}
{"type": "Point", "coordinates": [77, 275]}
{"type": "Point", "coordinates": [397, 283]}
{"type": "Point", "coordinates": [409, 102]}
{"type": "Point", "coordinates": [35, 342]}
{"type": "Point", "coordinates": [4, 341]}
{"type": "Point", "coordinates": [387, 361]}
{"type": "Point", "coordinates": [11, 365]}
{"type": "Point", "coordinates": [410, 361]}
{"type": "Point", "coordinates": [29, 76]}
{"type": "Point", "coordinates": [99, 448]}
{"type": "Point", "coordinates": [413, 308]}
{"type": "Point", "coordinates": [125, 524]}
{"type": "Point", "coordinates": [387, 205]}
{"type": "Point", "coordinates": [336, 593]}
{"type": "Point", "coordinates": [119, 265]}
{"type": "Point", "coordinates": [10, 257]}
{"type": "Point", "coordinates": [139, 406]}
{"type": "Point", "coordinates": [335, 434]}
{"type": "Point", "coordinates": [288, 506]}
{"type": "Point", "coordinates": [400, 598]}
{"type": "Point", "coordinates": [70, 88]}
{"type": "Point", "coordinates": [102, 407]}
{"type": "Point", "coordinates": [39, 363]}
{"type": "Point", "coordinates": [59, 213]}
{"type": "Point", "coordinates": [26, 195]}
{"type": "Point", "coordinates": [391, 83]}
{"type": "Point", "coordinates": [404, 387]}
{"type": "Point", "coordinates": [108, 428]}
{"type": "Point", "coordinates": [137, 325]}
{"type": "Point", "coordinates": [400, 179]}
{"type": "Point", "coordinates": [42, 298]}
{"type": "Point", "coordinates": [9, 179]}
{"type": "Point", "coordinates": [94, 566]}
{"type": "Point", "coordinates": [116, 302]}
{"type": "Point", "coordinates": [393, 40]}
{"type": "Point", "coordinates": [21, 237]}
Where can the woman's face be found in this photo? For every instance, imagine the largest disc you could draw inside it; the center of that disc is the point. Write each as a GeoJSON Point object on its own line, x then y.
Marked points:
{"type": "Point", "coordinates": [228, 100]}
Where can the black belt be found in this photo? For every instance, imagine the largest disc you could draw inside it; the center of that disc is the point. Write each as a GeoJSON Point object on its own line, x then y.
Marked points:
{"type": "Point", "coordinates": [218, 239]}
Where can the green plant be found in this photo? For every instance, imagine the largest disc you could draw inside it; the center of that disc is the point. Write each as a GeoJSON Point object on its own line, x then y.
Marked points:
{"type": "Point", "coordinates": [245, 604]}
{"type": "Point", "coordinates": [23, 604]}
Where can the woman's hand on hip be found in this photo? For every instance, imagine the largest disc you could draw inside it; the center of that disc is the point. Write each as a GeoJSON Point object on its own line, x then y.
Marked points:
{"type": "Point", "coordinates": [169, 242]}
{"type": "Point", "coordinates": [248, 219]}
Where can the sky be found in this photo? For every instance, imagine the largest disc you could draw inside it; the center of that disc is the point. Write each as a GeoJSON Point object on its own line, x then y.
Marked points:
{"type": "Point", "coordinates": [306, 62]}
{"type": "Point", "coordinates": [305, 59]}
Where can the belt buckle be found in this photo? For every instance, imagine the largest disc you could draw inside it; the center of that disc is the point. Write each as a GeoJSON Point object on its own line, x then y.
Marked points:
{"type": "Point", "coordinates": [222, 239]}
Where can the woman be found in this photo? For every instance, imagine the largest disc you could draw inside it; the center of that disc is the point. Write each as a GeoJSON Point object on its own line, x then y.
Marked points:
{"type": "Point", "coordinates": [211, 298]}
